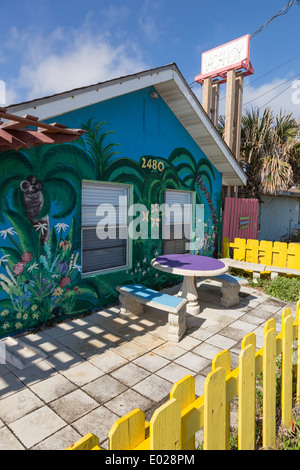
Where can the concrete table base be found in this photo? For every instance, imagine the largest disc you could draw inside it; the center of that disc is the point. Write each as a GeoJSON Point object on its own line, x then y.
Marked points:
{"type": "Point", "coordinates": [188, 291]}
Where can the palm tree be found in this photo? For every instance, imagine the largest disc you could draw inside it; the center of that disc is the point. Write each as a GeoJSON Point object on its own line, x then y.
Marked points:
{"type": "Point", "coordinates": [269, 152]}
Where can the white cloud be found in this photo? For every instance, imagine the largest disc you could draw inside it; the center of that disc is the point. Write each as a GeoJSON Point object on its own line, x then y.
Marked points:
{"type": "Point", "coordinates": [148, 22]}
{"type": "Point", "coordinates": [278, 94]}
{"type": "Point", "coordinates": [67, 59]}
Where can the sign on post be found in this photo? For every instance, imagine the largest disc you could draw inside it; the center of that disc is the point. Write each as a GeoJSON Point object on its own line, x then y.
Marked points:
{"type": "Point", "coordinates": [232, 55]}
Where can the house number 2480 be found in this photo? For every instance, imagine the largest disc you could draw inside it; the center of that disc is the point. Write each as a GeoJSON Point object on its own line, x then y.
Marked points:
{"type": "Point", "coordinates": [152, 164]}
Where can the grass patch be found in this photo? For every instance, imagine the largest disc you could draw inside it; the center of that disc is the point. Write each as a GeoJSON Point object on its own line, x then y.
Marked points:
{"type": "Point", "coordinates": [282, 287]}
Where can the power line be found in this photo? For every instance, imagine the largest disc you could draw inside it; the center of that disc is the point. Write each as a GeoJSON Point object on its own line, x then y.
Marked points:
{"type": "Point", "coordinates": [273, 70]}
{"type": "Point", "coordinates": [282, 12]}
{"type": "Point", "coordinates": [271, 89]}
{"type": "Point", "coordinates": [274, 98]}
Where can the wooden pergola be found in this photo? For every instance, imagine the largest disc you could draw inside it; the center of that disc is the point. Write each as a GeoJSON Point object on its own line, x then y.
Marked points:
{"type": "Point", "coordinates": [27, 131]}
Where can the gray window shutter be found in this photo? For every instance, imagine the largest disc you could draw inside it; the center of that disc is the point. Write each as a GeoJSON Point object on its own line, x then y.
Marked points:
{"type": "Point", "coordinates": [105, 213]}
{"type": "Point", "coordinates": [177, 223]}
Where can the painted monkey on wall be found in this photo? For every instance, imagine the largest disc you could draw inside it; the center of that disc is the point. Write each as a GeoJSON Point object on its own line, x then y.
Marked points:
{"type": "Point", "coordinates": [33, 201]}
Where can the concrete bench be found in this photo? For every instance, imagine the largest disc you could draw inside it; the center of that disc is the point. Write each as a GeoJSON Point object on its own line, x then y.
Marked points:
{"type": "Point", "coordinates": [255, 267]}
{"type": "Point", "coordinates": [276, 270]}
{"type": "Point", "coordinates": [230, 288]}
{"type": "Point", "coordinates": [133, 297]}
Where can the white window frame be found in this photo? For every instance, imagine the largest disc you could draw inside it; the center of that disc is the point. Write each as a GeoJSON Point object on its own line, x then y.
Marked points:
{"type": "Point", "coordinates": [191, 202]}
{"type": "Point", "coordinates": [106, 185]}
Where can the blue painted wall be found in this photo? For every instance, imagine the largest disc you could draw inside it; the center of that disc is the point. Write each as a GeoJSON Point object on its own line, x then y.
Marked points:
{"type": "Point", "coordinates": [40, 274]}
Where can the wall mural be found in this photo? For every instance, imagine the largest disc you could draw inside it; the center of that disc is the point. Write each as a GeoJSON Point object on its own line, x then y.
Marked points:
{"type": "Point", "coordinates": [40, 233]}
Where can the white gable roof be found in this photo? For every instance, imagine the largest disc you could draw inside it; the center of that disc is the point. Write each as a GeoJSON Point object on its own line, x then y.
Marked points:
{"type": "Point", "coordinates": [172, 88]}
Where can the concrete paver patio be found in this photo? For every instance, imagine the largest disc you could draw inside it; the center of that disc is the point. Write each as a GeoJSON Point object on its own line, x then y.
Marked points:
{"type": "Point", "coordinates": [95, 369]}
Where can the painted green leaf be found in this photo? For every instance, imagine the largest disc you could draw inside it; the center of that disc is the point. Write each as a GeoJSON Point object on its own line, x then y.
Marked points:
{"type": "Point", "coordinates": [28, 237]}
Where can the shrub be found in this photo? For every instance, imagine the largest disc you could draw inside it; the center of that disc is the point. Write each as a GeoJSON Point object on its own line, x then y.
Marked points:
{"type": "Point", "coordinates": [284, 288]}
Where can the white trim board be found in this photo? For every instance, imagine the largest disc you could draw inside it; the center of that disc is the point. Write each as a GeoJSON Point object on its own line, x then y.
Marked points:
{"type": "Point", "coordinates": [172, 88]}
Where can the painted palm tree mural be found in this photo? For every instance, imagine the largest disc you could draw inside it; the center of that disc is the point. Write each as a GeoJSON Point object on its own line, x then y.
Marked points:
{"type": "Point", "coordinates": [199, 176]}
{"type": "Point", "coordinates": [40, 216]}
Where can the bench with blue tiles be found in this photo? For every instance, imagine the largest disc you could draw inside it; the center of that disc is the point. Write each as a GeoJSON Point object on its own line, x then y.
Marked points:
{"type": "Point", "coordinates": [230, 288]}
{"type": "Point", "coordinates": [134, 297]}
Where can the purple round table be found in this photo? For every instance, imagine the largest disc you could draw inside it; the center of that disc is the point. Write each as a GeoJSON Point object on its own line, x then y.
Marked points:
{"type": "Point", "coordinates": [190, 267]}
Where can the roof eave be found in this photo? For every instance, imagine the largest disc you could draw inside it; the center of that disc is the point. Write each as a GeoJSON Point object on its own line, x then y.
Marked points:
{"type": "Point", "coordinates": [173, 89]}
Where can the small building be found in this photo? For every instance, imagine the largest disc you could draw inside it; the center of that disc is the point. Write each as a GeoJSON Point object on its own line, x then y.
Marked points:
{"type": "Point", "coordinates": [279, 216]}
{"type": "Point", "coordinates": [147, 141]}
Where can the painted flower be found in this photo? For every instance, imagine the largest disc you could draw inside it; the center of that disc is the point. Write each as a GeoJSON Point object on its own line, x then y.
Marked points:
{"type": "Point", "coordinates": [76, 266]}
{"type": "Point", "coordinates": [65, 245]}
{"type": "Point", "coordinates": [5, 326]}
{"type": "Point", "coordinates": [4, 313]}
{"type": "Point", "coordinates": [155, 221]}
{"type": "Point", "coordinates": [18, 268]}
{"type": "Point", "coordinates": [154, 208]}
{"type": "Point", "coordinates": [27, 257]}
{"type": "Point", "coordinates": [41, 227]}
{"type": "Point", "coordinates": [4, 259]}
{"type": "Point", "coordinates": [33, 266]}
{"type": "Point", "coordinates": [64, 281]}
{"type": "Point", "coordinates": [62, 267]}
{"type": "Point", "coordinates": [77, 290]}
{"type": "Point", "coordinates": [9, 230]}
{"type": "Point", "coordinates": [145, 216]}
{"type": "Point", "coordinates": [34, 307]}
{"type": "Point", "coordinates": [18, 325]}
{"type": "Point", "coordinates": [61, 227]}
{"type": "Point", "coordinates": [57, 292]}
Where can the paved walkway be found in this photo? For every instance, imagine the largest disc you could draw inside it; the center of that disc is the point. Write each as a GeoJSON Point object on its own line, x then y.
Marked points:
{"type": "Point", "coordinates": [82, 375]}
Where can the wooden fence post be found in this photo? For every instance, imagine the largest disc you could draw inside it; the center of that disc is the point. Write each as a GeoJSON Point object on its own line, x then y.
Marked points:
{"type": "Point", "coordinates": [246, 413]}
{"type": "Point", "coordinates": [184, 392]}
{"type": "Point", "coordinates": [128, 431]}
{"type": "Point", "coordinates": [165, 427]}
{"type": "Point", "coordinates": [269, 384]}
{"type": "Point", "coordinates": [88, 442]}
{"type": "Point", "coordinates": [223, 360]}
{"type": "Point", "coordinates": [286, 367]}
{"type": "Point", "coordinates": [298, 353]}
{"type": "Point", "coordinates": [215, 410]}
{"type": "Point", "coordinates": [280, 254]}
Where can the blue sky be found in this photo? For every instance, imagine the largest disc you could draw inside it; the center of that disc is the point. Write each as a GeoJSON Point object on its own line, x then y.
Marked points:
{"type": "Point", "coordinates": [49, 46]}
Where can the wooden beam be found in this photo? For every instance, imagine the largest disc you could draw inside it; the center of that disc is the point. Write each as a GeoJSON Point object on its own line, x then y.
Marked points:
{"type": "Point", "coordinates": [215, 102]}
{"type": "Point", "coordinates": [30, 122]}
{"type": "Point", "coordinates": [238, 114]}
{"type": "Point", "coordinates": [206, 96]}
{"type": "Point", "coordinates": [230, 105]}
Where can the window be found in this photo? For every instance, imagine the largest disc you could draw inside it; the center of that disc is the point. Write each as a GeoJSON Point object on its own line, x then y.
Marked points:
{"type": "Point", "coordinates": [177, 227]}
{"type": "Point", "coordinates": [104, 226]}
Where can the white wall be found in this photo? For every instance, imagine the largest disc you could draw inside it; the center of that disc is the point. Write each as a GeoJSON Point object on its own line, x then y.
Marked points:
{"type": "Point", "coordinates": [278, 215]}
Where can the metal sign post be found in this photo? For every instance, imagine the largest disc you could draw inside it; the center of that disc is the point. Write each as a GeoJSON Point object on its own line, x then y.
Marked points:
{"type": "Point", "coordinates": [229, 64]}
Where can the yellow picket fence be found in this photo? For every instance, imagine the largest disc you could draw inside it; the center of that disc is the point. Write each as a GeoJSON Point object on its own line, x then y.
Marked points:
{"type": "Point", "coordinates": [173, 425]}
{"type": "Point", "coordinates": [283, 255]}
